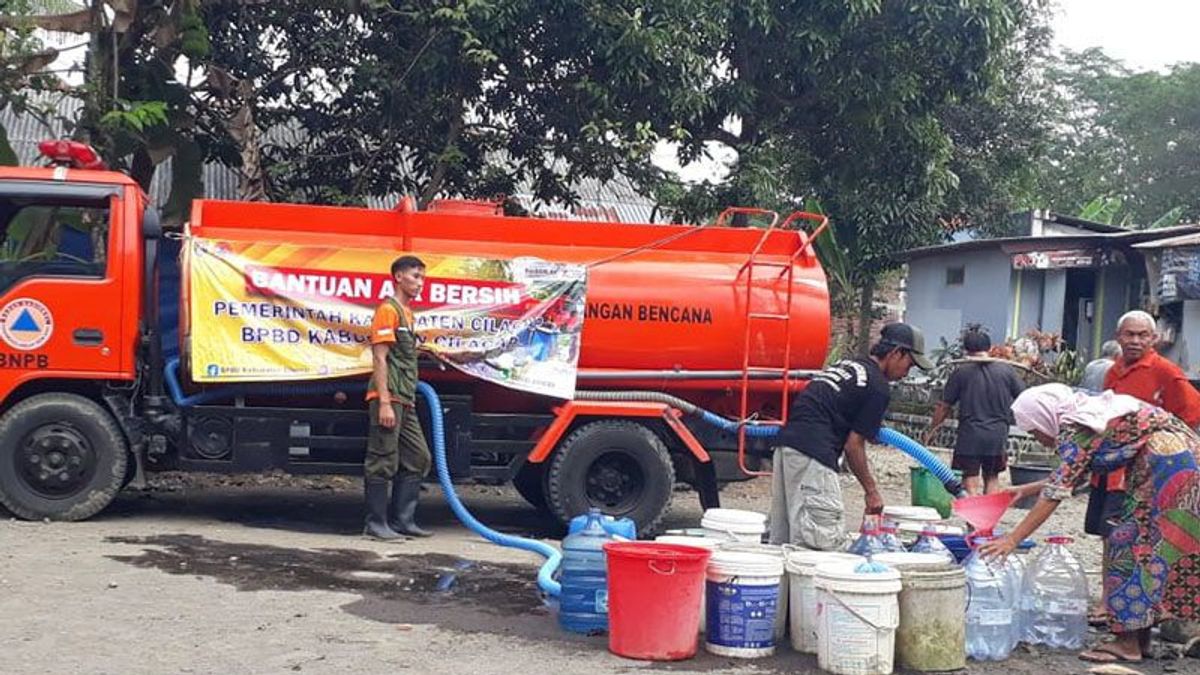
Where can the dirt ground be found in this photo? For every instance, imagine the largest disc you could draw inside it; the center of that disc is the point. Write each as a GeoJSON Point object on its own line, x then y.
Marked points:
{"type": "Point", "coordinates": [205, 574]}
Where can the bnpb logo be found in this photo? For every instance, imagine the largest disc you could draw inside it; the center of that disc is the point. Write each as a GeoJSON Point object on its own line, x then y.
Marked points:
{"type": "Point", "coordinates": [26, 324]}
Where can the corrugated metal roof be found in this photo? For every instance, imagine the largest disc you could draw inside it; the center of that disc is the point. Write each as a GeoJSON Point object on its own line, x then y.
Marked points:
{"type": "Point", "coordinates": [614, 200]}
{"type": "Point", "coordinates": [1172, 242]}
{"type": "Point", "coordinates": [1054, 242]}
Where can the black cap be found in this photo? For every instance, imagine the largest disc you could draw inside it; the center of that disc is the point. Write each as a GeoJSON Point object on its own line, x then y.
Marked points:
{"type": "Point", "coordinates": [907, 337]}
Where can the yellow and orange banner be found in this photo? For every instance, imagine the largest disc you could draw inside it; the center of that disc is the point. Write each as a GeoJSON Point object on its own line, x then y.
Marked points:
{"type": "Point", "coordinates": [269, 312]}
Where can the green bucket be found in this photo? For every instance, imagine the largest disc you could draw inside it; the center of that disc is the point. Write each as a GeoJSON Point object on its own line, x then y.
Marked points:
{"type": "Point", "coordinates": [927, 490]}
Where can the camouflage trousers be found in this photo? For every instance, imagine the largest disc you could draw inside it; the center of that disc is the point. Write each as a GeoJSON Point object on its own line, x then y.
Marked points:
{"type": "Point", "coordinates": [401, 449]}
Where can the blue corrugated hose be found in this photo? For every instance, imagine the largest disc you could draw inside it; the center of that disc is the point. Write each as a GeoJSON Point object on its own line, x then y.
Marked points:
{"type": "Point", "coordinates": [545, 575]}
{"type": "Point", "coordinates": [886, 436]}
{"type": "Point", "coordinates": [924, 457]}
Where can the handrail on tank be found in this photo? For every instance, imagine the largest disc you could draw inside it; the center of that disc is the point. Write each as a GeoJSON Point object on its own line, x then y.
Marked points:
{"type": "Point", "coordinates": [747, 211]}
{"type": "Point", "coordinates": [822, 219]}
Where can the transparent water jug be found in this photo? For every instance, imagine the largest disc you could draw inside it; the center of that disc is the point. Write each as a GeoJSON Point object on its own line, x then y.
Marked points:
{"type": "Point", "coordinates": [889, 535]}
{"type": "Point", "coordinates": [929, 542]}
{"type": "Point", "coordinates": [1057, 597]}
{"type": "Point", "coordinates": [990, 599]}
{"type": "Point", "coordinates": [869, 540]}
{"type": "Point", "coordinates": [583, 602]}
{"type": "Point", "coordinates": [1015, 566]}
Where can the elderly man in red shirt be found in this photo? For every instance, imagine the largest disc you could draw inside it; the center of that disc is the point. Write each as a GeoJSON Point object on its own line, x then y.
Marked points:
{"type": "Point", "coordinates": [1142, 373]}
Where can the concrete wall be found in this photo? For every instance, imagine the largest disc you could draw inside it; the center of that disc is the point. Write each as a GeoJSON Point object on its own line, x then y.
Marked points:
{"type": "Point", "coordinates": [1054, 299]}
{"type": "Point", "coordinates": [1186, 349]}
{"type": "Point", "coordinates": [989, 292]}
{"type": "Point", "coordinates": [941, 310]}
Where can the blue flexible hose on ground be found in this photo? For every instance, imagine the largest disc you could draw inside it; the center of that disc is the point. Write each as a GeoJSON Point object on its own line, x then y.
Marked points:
{"type": "Point", "coordinates": [553, 557]}
{"type": "Point", "coordinates": [545, 575]}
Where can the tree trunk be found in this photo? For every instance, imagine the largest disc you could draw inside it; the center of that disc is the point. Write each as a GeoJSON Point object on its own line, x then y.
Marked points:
{"type": "Point", "coordinates": [866, 312]}
{"type": "Point", "coordinates": [252, 179]}
{"type": "Point", "coordinates": [142, 169]}
{"type": "Point", "coordinates": [437, 177]}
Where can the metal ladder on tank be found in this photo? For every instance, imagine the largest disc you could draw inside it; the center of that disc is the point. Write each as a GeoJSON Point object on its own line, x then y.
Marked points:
{"type": "Point", "coordinates": [784, 272]}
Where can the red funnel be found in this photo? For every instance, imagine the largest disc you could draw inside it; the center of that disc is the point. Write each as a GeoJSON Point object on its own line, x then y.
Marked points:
{"type": "Point", "coordinates": [983, 511]}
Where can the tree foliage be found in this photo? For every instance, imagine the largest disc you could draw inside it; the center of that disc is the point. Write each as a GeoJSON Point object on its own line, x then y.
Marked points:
{"type": "Point", "coordinates": [1131, 139]}
{"type": "Point", "coordinates": [845, 101]}
{"type": "Point", "coordinates": [474, 97]}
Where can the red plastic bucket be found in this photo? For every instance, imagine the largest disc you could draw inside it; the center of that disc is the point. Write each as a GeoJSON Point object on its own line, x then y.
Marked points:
{"type": "Point", "coordinates": [654, 593]}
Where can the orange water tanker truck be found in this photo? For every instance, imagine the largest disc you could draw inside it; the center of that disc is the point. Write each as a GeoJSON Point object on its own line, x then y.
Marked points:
{"type": "Point", "coordinates": [108, 325]}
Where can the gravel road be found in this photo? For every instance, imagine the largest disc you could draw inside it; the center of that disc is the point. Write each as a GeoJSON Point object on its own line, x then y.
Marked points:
{"type": "Point", "coordinates": [265, 574]}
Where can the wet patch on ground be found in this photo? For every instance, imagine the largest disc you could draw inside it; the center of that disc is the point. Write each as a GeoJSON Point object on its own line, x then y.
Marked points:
{"type": "Point", "coordinates": [395, 588]}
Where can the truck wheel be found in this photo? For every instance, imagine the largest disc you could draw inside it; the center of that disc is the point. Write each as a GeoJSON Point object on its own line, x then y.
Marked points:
{"type": "Point", "coordinates": [620, 467]}
{"type": "Point", "coordinates": [530, 483]}
{"type": "Point", "coordinates": [62, 457]}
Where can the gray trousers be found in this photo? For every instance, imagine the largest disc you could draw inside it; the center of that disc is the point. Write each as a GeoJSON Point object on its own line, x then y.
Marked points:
{"type": "Point", "coordinates": [806, 503]}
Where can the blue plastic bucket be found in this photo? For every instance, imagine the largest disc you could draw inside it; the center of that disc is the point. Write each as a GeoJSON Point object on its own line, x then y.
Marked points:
{"type": "Point", "coordinates": [959, 547]}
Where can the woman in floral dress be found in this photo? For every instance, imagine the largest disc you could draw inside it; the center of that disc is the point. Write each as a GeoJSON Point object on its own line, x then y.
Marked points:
{"type": "Point", "coordinates": [1154, 547]}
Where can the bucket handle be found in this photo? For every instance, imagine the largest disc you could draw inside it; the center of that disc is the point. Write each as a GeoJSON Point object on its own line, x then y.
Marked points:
{"type": "Point", "coordinates": [862, 618]}
{"type": "Point", "coordinates": [653, 565]}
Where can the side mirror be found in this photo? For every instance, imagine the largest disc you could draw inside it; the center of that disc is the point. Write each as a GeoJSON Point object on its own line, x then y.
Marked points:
{"type": "Point", "coordinates": [151, 224]}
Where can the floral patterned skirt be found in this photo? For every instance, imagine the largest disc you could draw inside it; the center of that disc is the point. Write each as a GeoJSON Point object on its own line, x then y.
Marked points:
{"type": "Point", "coordinates": [1154, 553]}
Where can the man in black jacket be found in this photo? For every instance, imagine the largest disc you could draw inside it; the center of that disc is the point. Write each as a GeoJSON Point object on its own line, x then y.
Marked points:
{"type": "Point", "coordinates": [838, 412]}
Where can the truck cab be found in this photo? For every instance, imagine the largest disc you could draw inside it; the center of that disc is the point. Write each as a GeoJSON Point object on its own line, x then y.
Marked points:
{"type": "Point", "coordinates": [71, 267]}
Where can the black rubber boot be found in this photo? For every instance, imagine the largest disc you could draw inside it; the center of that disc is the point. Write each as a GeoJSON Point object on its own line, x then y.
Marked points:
{"type": "Point", "coordinates": [402, 516]}
{"type": "Point", "coordinates": [377, 503]}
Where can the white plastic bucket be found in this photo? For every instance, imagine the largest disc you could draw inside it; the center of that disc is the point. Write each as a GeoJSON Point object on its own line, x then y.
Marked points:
{"type": "Point", "coordinates": [781, 606]}
{"type": "Point", "coordinates": [801, 565]}
{"type": "Point", "coordinates": [734, 525]}
{"type": "Point", "coordinates": [920, 514]}
{"type": "Point", "coordinates": [742, 590]}
{"type": "Point", "coordinates": [699, 542]}
{"type": "Point", "coordinates": [857, 615]}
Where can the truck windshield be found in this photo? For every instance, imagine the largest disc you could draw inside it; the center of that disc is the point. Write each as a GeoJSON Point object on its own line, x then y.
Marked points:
{"type": "Point", "coordinates": [47, 238]}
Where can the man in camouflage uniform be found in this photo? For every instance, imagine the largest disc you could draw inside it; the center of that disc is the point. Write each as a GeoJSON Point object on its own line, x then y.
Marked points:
{"type": "Point", "coordinates": [396, 450]}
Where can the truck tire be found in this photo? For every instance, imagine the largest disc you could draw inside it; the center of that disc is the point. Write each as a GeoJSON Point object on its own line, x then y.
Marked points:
{"type": "Point", "coordinates": [530, 482]}
{"type": "Point", "coordinates": [618, 466]}
{"type": "Point", "coordinates": [62, 457]}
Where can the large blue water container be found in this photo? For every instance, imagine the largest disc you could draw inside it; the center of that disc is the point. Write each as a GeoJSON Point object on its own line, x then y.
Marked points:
{"type": "Point", "coordinates": [620, 527]}
{"type": "Point", "coordinates": [583, 603]}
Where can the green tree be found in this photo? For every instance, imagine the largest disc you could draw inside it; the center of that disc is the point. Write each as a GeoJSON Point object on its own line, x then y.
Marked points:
{"type": "Point", "coordinates": [1129, 139]}
{"type": "Point", "coordinates": [852, 102]}
{"type": "Point", "coordinates": [23, 60]}
{"type": "Point", "coordinates": [1003, 136]}
{"type": "Point", "coordinates": [473, 98]}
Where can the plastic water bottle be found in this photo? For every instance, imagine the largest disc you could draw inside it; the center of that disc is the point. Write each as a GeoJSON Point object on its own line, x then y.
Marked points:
{"type": "Point", "coordinates": [583, 602]}
{"type": "Point", "coordinates": [1015, 566]}
{"type": "Point", "coordinates": [1057, 594]}
{"type": "Point", "coordinates": [619, 527]}
{"type": "Point", "coordinates": [989, 609]}
{"type": "Point", "coordinates": [929, 542]}
{"type": "Point", "coordinates": [888, 535]}
{"type": "Point", "coordinates": [869, 540]}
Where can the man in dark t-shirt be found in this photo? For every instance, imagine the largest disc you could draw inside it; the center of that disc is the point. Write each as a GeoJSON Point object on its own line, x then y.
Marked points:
{"type": "Point", "coordinates": [838, 412]}
{"type": "Point", "coordinates": [984, 392]}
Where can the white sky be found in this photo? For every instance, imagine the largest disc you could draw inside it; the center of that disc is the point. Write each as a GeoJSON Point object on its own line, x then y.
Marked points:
{"type": "Point", "coordinates": [1145, 34]}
